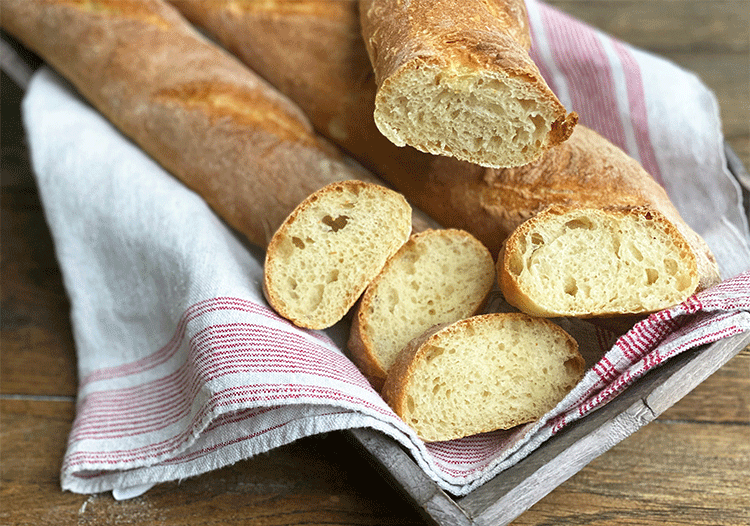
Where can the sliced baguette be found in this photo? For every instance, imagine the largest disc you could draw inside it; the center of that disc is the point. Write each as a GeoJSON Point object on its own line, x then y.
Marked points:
{"type": "Point", "coordinates": [455, 78]}
{"type": "Point", "coordinates": [588, 262]}
{"type": "Point", "coordinates": [279, 40]}
{"type": "Point", "coordinates": [330, 248]}
{"type": "Point", "coordinates": [438, 276]}
{"type": "Point", "coordinates": [488, 372]}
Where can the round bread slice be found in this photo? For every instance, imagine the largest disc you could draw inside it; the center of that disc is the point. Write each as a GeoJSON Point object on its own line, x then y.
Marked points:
{"type": "Point", "coordinates": [588, 262]}
{"type": "Point", "coordinates": [330, 248]}
{"type": "Point", "coordinates": [438, 276]}
{"type": "Point", "coordinates": [487, 372]}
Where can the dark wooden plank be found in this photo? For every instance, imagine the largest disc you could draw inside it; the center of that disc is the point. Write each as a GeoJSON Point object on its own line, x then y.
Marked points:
{"type": "Point", "coordinates": [723, 398]}
{"type": "Point", "coordinates": [673, 474]}
{"type": "Point", "coordinates": [718, 26]}
{"type": "Point", "coordinates": [37, 343]}
{"type": "Point", "coordinates": [319, 480]}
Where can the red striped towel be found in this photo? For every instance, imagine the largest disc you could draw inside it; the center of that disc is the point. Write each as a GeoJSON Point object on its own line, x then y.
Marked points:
{"type": "Point", "coordinates": [183, 367]}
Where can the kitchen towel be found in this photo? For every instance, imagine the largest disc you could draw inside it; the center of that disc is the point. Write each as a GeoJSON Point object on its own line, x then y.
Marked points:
{"type": "Point", "coordinates": [183, 367]}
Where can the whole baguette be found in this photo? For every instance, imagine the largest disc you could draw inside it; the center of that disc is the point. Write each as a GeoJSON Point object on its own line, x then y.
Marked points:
{"type": "Point", "coordinates": [248, 150]}
{"type": "Point", "coordinates": [455, 78]}
{"type": "Point", "coordinates": [280, 39]}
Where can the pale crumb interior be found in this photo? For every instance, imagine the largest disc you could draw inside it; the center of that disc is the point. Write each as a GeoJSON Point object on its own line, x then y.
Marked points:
{"type": "Point", "coordinates": [334, 248]}
{"type": "Point", "coordinates": [439, 278]}
{"type": "Point", "coordinates": [599, 263]}
{"type": "Point", "coordinates": [493, 376]}
{"type": "Point", "coordinates": [464, 115]}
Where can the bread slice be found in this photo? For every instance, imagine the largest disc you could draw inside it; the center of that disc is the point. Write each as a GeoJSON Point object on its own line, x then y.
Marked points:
{"type": "Point", "coordinates": [589, 262]}
{"type": "Point", "coordinates": [438, 276]}
{"type": "Point", "coordinates": [330, 248]}
{"type": "Point", "coordinates": [487, 372]}
{"type": "Point", "coordinates": [456, 79]}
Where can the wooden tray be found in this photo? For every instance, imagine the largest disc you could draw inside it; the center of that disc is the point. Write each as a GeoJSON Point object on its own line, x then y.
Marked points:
{"type": "Point", "coordinates": [516, 489]}
{"type": "Point", "coordinates": [510, 493]}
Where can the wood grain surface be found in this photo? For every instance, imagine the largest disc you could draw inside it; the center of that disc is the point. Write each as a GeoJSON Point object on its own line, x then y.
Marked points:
{"type": "Point", "coordinates": [689, 467]}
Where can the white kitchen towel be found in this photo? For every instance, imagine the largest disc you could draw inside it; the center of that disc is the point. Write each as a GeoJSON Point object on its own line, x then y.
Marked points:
{"type": "Point", "coordinates": [183, 367]}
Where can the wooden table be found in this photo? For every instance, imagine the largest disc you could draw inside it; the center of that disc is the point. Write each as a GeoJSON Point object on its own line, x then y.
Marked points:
{"type": "Point", "coordinates": [690, 466]}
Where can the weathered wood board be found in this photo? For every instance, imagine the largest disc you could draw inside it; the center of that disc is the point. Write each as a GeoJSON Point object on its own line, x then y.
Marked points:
{"type": "Point", "coordinates": [516, 489]}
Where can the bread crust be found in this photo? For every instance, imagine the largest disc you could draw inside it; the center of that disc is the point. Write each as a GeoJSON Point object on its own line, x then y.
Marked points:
{"type": "Point", "coordinates": [398, 231]}
{"type": "Point", "coordinates": [400, 375]}
{"type": "Point", "coordinates": [488, 39]}
{"type": "Point", "coordinates": [363, 350]}
{"type": "Point", "coordinates": [226, 133]}
{"type": "Point", "coordinates": [279, 42]}
{"type": "Point", "coordinates": [539, 305]}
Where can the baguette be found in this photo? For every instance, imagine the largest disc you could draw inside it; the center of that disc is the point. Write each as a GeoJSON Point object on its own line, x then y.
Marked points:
{"type": "Point", "coordinates": [455, 78]}
{"type": "Point", "coordinates": [330, 248]}
{"type": "Point", "coordinates": [280, 39]}
{"type": "Point", "coordinates": [226, 133]}
{"type": "Point", "coordinates": [487, 372]}
{"type": "Point", "coordinates": [438, 276]}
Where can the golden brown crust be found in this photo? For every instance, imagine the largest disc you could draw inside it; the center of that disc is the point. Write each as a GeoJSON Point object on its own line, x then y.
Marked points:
{"type": "Point", "coordinates": [204, 116]}
{"type": "Point", "coordinates": [360, 345]}
{"type": "Point", "coordinates": [339, 97]}
{"type": "Point", "coordinates": [394, 390]}
{"type": "Point", "coordinates": [402, 369]}
{"type": "Point", "coordinates": [391, 238]}
{"type": "Point", "coordinates": [488, 37]}
{"type": "Point", "coordinates": [516, 295]}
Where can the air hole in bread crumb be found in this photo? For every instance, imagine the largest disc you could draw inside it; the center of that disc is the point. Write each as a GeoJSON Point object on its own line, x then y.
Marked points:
{"type": "Point", "coordinates": [571, 366]}
{"type": "Point", "coordinates": [537, 239]}
{"type": "Point", "coordinates": [571, 287]}
{"type": "Point", "coordinates": [636, 253]}
{"type": "Point", "coordinates": [335, 224]}
{"type": "Point", "coordinates": [651, 275]}
{"type": "Point", "coordinates": [580, 222]}
{"type": "Point", "coordinates": [671, 266]}
{"type": "Point", "coordinates": [297, 242]}
{"type": "Point", "coordinates": [433, 353]}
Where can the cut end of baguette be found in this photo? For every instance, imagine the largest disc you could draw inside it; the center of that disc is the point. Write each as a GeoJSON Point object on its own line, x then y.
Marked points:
{"type": "Point", "coordinates": [596, 262]}
{"type": "Point", "coordinates": [488, 372]}
{"type": "Point", "coordinates": [486, 118]}
{"type": "Point", "coordinates": [330, 248]}
{"type": "Point", "coordinates": [438, 276]}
